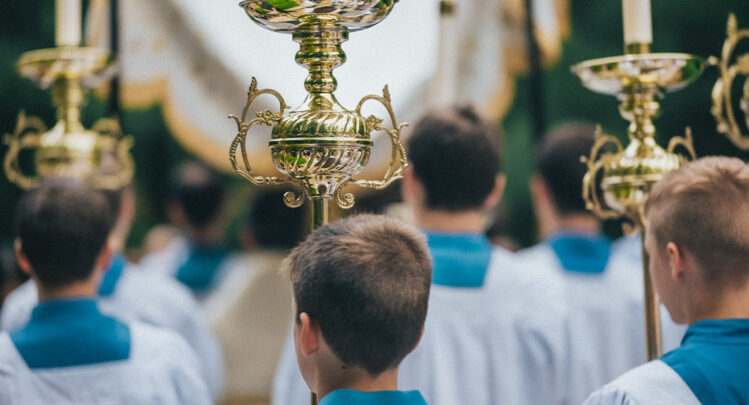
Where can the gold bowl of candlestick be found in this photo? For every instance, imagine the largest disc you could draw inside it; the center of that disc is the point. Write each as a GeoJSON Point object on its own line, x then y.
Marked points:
{"type": "Point", "coordinates": [320, 145]}
{"type": "Point", "coordinates": [638, 81]}
{"type": "Point", "coordinates": [100, 155]}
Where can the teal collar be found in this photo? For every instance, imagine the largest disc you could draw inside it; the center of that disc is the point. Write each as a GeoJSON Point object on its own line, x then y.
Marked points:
{"type": "Point", "coordinates": [349, 397]}
{"type": "Point", "coordinates": [580, 252]}
{"type": "Point", "coordinates": [713, 361]}
{"type": "Point", "coordinates": [71, 332]}
{"type": "Point", "coordinates": [199, 271]}
{"type": "Point", "coordinates": [112, 275]}
{"type": "Point", "coordinates": [719, 331]}
{"type": "Point", "coordinates": [459, 259]}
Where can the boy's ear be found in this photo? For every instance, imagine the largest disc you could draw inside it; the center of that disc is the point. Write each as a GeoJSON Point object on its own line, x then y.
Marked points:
{"type": "Point", "coordinates": [493, 199]}
{"type": "Point", "coordinates": [23, 261]}
{"type": "Point", "coordinates": [309, 335]}
{"type": "Point", "coordinates": [104, 260]}
{"type": "Point", "coordinates": [676, 260]}
{"type": "Point", "coordinates": [421, 335]}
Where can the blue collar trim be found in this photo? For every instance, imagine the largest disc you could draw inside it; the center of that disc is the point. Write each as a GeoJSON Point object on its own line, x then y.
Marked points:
{"type": "Point", "coordinates": [581, 253]}
{"type": "Point", "coordinates": [112, 275]}
{"type": "Point", "coordinates": [67, 333]}
{"type": "Point", "coordinates": [460, 259]}
{"type": "Point", "coordinates": [199, 271]}
{"type": "Point", "coordinates": [347, 397]}
{"type": "Point", "coordinates": [713, 361]}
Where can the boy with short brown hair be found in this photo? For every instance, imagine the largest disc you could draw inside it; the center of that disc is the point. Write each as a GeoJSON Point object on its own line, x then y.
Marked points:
{"type": "Point", "coordinates": [361, 288]}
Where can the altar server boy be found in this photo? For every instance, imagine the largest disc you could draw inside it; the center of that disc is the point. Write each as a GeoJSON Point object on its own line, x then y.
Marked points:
{"type": "Point", "coordinates": [603, 290]}
{"type": "Point", "coordinates": [131, 293]}
{"type": "Point", "coordinates": [69, 351]}
{"type": "Point", "coordinates": [494, 332]}
{"type": "Point", "coordinates": [697, 238]}
{"type": "Point", "coordinates": [360, 293]}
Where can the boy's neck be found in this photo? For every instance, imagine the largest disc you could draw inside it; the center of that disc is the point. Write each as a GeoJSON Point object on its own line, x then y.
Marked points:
{"type": "Point", "coordinates": [357, 379]}
{"type": "Point", "coordinates": [730, 303]}
{"type": "Point", "coordinates": [453, 222]}
{"type": "Point", "coordinates": [79, 289]}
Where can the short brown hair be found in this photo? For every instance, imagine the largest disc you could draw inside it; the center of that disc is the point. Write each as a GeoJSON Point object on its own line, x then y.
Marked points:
{"type": "Point", "coordinates": [454, 153]}
{"type": "Point", "coordinates": [365, 280]}
{"type": "Point", "coordinates": [704, 208]}
{"type": "Point", "coordinates": [63, 226]}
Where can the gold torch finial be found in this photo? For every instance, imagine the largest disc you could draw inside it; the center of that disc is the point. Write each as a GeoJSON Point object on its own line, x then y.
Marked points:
{"type": "Point", "coordinates": [320, 146]}
{"type": "Point", "coordinates": [100, 155]}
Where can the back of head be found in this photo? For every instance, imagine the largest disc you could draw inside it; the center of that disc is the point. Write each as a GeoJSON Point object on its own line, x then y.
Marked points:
{"type": "Point", "coordinates": [273, 224]}
{"type": "Point", "coordinates": [63, 226]}
{"type": "Point", "coordinates": [558, 163]}
{"type": "Point", "coordinates": [455, 155]}
{"type": "Point", "coordinates": [365, 280]}
{"type": "Point", "coordinates": [200, 193]}
{"type": "Point", "coordinates": [703, 207]}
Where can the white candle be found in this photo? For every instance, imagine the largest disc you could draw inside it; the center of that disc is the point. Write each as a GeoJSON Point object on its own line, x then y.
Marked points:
{"type": "Point", "coordinates": [638, 27]}
{"type": "Point", "coordinates": [68, 22]}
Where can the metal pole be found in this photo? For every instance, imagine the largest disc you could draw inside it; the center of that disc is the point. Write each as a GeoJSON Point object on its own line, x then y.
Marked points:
{"type": "Point", "coordinates": [114, 87]}
{"type": "Point", "coordinates": [653, 338]}
{"type": "Point", "coordinates": [535, 77]}
{"type": "Point", "coordinates": [320, 217]}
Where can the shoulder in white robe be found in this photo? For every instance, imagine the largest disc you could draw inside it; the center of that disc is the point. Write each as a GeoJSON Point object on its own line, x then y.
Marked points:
{"type": "Point", "coordinates": [161, 369]}
{"type": "Point", "coordinates": [606, 322]}
{"type": "Point", "coordinates": [145, 297]}
{"type": "Point", "coordinates": [653, 383]}
{"type": "Point", "coordinates": [250, 314]}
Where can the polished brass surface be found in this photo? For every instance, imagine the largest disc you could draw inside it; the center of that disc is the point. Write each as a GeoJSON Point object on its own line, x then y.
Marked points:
{"type": "Point", "coordinates": [288, 15]}
{"type": "Point", "coordinates": [447, 7]}
{"type": "Point", "coordinates": [732, 66]}
{"type": "Point", "coordinates": [654, 336]}
{"type": "Point", "coordinates": [637, 48]}
{"type": "Point", "coordinates": [627, 174]}
{"type": "Point", "coordinates": [99, 156]}
{"type": "Point", "coordinates": [320, 146]}
{"type": "Point", "coordinates": [656, 72]}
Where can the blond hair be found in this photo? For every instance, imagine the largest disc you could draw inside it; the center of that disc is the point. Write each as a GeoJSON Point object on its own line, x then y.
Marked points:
{"type": "Point", "coordinates": [703, 207]}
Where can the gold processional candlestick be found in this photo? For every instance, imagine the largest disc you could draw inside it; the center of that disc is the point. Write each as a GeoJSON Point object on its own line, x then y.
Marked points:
{"type": "Point", "coordinates": [638, 80]}
{"type": "Point", "coordinates": [99, 156]}
{"type": "Point", "coordinates": [730, 67]}
{"type": "Point", "coordinates": [320, 145]}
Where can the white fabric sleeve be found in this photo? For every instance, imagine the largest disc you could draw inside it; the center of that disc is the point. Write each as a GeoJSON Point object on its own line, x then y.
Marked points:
{"type": "Point", "coordinates": [190, 386]}
{"type": "Point", "coordinates": [653, 383]}
{"type": "Point", "coordinates": [195, 330]}
{"type": "Point", "coordinates": [18, 306]}
{"type": "Point", "coordinates": [289, 387]}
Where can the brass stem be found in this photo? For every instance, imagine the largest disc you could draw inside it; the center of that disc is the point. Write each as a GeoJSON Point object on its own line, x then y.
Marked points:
{"type": "Point", "coordinates": [320, 217]}
{"type": "Point", "coordinates": [320, 52]}
{"type": "Point", "coordinates": [320, 212]}
{"type": "Point", "coordinates": [653, 338]}
{"type": "Point", "coordinates": [447, 7]}
{"type": "Point", "coordinates": [637, 47]}
{"type": "Point", "coordinates": [68, 96]}
{"type": "Point", "coordinates": [640, 106]}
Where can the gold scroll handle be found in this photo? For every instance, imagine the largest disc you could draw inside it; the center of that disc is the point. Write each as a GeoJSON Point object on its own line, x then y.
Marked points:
{"type": "Point", "coordinates": [723, 108]}
{"type": "Point", "coordinates": [110, 144]}
{"type": "Point", "coordinates": [599, 160]}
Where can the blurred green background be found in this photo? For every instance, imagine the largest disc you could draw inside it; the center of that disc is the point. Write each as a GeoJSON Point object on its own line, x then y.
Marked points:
{"type": "Point", "coordinates": [696, 27]}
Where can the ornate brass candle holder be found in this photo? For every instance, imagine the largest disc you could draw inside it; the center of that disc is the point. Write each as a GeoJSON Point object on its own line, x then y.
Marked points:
{"type": "Point", "coordinates": [320, 145]}
{"type": "Point", "coordinates": [731, 67]}
{"type": "Point", "coordinates": [638, 81]}
{"type": "Point", "coordinates": [99, 156]}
